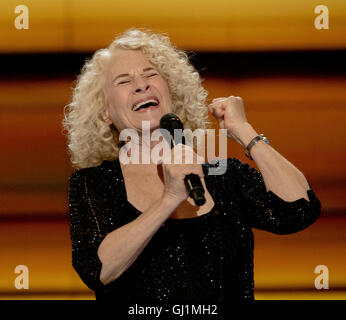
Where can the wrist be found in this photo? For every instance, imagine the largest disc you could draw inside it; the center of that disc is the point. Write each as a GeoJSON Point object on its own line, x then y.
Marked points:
{"type": "Point", "coordinates": [243, 133]}
{"type": "Point", "coordinates": [171, 200]}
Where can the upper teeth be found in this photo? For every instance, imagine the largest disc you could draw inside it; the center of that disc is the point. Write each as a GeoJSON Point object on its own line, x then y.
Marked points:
{"type": "Point", "coordinates": [138, 105]}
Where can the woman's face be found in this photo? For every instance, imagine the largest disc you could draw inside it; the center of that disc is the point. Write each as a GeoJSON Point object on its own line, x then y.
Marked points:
{"type": "Point", "coordinates": [131, 81]}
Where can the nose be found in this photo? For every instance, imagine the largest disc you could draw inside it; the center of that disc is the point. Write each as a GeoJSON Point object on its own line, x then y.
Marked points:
{"type": "Point", "coordinates": [140, 85]}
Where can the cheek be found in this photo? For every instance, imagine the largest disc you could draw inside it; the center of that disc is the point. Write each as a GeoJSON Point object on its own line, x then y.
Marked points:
{"type": "Point", "coordinates": [165, 89]}
{"type": "Point", "coordinates": [116, 101]}
{"type": "Point", "coordinates": [112, 97]}
{"type": "Point", "coordinates": [169, 100]}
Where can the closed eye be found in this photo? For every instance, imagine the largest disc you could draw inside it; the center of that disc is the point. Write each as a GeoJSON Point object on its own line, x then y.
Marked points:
{"type": "Point", "coordinates": [128, 81]}
{"type": "Point", "coordinates": [125, 81]}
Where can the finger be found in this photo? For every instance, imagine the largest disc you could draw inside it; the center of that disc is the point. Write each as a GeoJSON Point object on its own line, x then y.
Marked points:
{"type": "Point", "coordinates": [219, 99]}
{"type": "Point", "coordinates": [211, 109]}
{"type": "Point", "coordinates": [235, 98]}
{"type": "Point", "coordinates": [166, 158]}
{"type": "Point", "coordinates": [214, 110]}
{"type": "Point", "coordinates": [198, 171]}
{"type": "Point", "coordinates": [199, 159]}
{"type": "Point", "coordinates": [217, 103]}
{"type": "Point", "coordinates": [189, 155]}
{"type": "Point", "coordinates": [219, 112]}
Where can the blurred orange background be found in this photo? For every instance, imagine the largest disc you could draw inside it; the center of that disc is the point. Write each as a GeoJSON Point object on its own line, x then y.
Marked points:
{"type": "Point", "coordinates": [291, 76]}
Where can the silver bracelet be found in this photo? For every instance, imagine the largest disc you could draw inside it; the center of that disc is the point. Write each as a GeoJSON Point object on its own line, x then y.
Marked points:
{"type": "Point", "coordinates": [253, 142]}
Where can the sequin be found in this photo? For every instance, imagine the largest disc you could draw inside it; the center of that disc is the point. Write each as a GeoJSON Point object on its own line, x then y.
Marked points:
{"type": "Point", "coordinates": [205, 258]}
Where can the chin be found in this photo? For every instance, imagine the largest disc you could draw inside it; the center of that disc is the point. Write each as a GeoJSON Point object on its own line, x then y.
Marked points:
{"type": "Point", "coordinates": [154, 120]}
{"type": "Point", "coordinates": [154, 124]}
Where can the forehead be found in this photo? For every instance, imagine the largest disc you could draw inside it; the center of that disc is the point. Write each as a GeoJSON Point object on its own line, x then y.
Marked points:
{"type": "Point", "coordinates": [126, 61]}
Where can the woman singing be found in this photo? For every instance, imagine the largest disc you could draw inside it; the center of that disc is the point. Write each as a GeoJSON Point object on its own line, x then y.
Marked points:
{"type": "Point", "coordinates": [136, 234]}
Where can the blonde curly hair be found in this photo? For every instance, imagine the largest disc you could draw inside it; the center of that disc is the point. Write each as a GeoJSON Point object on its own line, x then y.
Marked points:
{"type": "Point", "coordinates": [90, 139]}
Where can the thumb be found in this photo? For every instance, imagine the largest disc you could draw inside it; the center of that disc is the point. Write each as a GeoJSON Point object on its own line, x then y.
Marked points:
{"type": "Point", "coordinates": [217, 111]}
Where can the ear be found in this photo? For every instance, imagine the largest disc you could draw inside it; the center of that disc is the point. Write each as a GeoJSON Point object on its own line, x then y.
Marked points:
{"type": "Point", "coordinates": [106, 117]}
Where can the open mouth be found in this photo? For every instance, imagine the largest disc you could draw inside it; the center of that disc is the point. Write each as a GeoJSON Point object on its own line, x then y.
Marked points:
{"type": "Point", "coordinates": [145, 105]}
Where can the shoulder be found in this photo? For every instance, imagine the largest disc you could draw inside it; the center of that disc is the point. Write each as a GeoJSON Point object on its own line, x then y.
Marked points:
{"type": "Point", "coordinates": [94, 176]}
{"type": "Point", "coordinates": [92, 172]}
{"type": "Point", "coordinates": [95, 183]}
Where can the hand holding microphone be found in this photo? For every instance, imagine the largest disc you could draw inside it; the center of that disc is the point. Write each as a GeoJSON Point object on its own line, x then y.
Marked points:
{"type": "Point", "coordinates": [174, 174]}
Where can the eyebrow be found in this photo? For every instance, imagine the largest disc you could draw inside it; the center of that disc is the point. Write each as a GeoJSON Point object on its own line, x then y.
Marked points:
{"type": "Point", "coordinates": [126, 74]}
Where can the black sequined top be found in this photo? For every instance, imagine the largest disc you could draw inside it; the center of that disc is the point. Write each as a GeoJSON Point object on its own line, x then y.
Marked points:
{"type": "Point", "coordinates": [209, 257]}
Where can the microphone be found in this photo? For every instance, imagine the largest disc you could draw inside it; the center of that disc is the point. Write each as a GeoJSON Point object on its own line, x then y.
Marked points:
{"type": "Point", "coordinates": [170, 122]}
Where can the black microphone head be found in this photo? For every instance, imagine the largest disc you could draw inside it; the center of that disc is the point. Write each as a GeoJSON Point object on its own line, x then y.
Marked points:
{"type": "Point", "coordinates": [171, 122]}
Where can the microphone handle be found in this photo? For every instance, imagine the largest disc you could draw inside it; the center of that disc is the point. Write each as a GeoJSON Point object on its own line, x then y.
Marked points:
{"type": "Point", "coordinates": [192, 181]}
{"type": "Point", "coordinates": [195, 188]}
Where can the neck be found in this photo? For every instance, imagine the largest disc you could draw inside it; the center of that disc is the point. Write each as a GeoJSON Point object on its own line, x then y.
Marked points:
{"type": "Point", "coordinates": [141, 148]}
